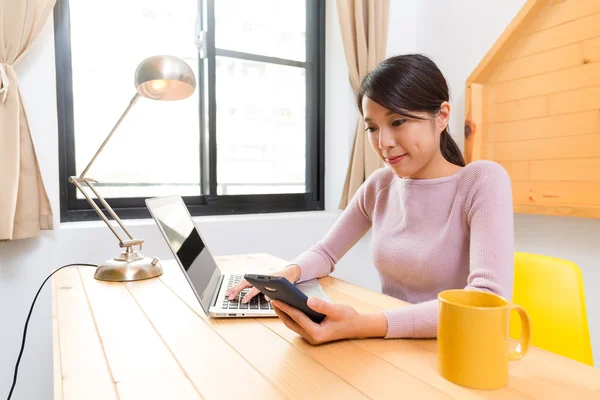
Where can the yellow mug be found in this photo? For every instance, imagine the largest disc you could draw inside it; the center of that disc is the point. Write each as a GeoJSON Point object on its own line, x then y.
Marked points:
{"type": "Point", "coordinates": [473, 338]}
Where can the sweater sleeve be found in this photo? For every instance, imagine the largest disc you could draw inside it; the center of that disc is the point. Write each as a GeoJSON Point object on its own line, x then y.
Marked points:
{"type": "Point", "coordinates": [489, 213]}
{"type": "Point", "coordinates": [350, 227]}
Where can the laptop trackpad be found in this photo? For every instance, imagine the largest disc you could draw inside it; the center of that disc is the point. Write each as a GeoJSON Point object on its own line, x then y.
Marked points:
{"type": "Point", "coordinates": [312, 288]}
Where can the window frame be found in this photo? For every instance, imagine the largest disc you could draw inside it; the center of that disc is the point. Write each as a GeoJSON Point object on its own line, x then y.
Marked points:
{"type": "Point", "coordinates": [74, 209]}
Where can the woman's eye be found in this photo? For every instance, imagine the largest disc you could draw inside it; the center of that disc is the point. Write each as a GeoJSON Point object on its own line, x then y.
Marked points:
{"type": "Point", "coordinates": [398, 122]}
{"type": "Point", "coordinates": [370, 129]}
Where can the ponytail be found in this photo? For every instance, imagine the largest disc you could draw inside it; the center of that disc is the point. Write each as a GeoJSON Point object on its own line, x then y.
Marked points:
{"type": "Point", "coordinates": [450, 149]}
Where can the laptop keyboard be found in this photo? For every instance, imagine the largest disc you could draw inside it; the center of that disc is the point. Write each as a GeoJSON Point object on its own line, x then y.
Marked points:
{"type": "Point", "coordinates": [258, 302]}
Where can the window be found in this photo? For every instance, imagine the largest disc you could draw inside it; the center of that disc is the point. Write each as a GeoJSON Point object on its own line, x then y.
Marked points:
{"type": "Point", "coordinates": [249, 140]}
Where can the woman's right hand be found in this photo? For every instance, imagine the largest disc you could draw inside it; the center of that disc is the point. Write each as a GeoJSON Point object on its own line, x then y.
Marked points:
{"type": "Point", "coordinates": [291, 273]}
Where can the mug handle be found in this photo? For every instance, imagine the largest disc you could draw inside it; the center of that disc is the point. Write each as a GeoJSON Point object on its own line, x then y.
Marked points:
{"type": "Point", "coordinates": [525, 338]}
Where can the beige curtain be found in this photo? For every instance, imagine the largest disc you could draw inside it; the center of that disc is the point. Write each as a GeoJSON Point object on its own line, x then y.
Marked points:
{"type": "Point", "coordinates": [24, 205]}
{"type": "Point", "coordinates": [364, 25]}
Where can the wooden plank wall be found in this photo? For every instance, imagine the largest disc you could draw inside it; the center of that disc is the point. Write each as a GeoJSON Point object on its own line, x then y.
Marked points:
{"type": "Point", "coordinates": [541, 112]}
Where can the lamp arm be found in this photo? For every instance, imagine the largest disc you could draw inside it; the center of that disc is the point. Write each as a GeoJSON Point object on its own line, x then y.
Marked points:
{"type": "Point", "coordinates": [131, 103]}
{"type": "Point", "coordinates": [77, 182]}
{"type": "Point", "coordinates": [132, 241]}
{"type": "Point", "coordinates": [108, 208]}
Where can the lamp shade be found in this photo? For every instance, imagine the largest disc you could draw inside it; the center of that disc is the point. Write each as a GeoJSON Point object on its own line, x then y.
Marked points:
{"type": "Point", "coordinates": [164, 78]}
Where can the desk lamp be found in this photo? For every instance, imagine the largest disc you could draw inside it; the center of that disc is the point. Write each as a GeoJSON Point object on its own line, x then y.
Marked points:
{"type": "Point", "coordinates": [158, 78]}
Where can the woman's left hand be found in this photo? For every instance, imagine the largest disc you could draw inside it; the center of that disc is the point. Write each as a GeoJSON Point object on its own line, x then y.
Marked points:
{"type": "Point", "coordinates": [341, 321]}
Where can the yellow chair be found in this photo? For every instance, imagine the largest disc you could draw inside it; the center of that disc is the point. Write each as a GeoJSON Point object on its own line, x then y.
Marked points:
{"type": "Point", "coordinates": [551, 290]}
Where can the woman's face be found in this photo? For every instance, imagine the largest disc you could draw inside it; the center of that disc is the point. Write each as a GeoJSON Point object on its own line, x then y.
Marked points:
{"type": "Point", "coordinates": [406, 145]}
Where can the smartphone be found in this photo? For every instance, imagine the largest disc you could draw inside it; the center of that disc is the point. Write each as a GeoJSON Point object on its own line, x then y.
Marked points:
{"type": "Point", "coordinates": [279, 288]}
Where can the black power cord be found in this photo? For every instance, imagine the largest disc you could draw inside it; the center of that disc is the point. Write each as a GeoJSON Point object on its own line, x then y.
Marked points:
{"type": "Point", "coordinates": [27, 322]}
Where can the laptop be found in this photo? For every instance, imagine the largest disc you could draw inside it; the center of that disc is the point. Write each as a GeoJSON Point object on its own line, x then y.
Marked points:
{"type": "Point", "coordinates": [198, 265]}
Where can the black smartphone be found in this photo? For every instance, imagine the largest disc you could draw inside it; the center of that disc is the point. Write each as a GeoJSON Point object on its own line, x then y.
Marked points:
{"type": "Point", "coordinates": [279, 288]}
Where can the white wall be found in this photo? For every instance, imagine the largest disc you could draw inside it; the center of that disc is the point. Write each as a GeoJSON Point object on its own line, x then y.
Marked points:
{"type": "Point", "coordinates": [25, 264]}
{"type": "Point", "coordinates": [456, 35]}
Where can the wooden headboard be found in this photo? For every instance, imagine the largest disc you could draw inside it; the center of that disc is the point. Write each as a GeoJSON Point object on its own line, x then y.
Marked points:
{"type": "Point", "coordinates": [533, 105]}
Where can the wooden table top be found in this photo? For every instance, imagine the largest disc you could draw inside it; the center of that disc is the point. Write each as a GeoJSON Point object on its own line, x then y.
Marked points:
{"type": "Point", "coordinates": [151, 340]}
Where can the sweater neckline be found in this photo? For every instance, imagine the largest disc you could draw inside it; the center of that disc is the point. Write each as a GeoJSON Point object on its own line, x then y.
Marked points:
{"type": "Point", "coordinates": [431, 181]}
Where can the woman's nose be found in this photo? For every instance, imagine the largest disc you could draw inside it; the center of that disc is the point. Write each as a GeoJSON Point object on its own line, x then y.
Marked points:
{"type": "Point", "coordinates": [386, 139]}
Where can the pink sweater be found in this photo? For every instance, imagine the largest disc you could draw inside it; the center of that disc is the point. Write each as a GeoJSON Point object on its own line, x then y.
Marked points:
{"type": "Point", "coordinates": [428, 235]}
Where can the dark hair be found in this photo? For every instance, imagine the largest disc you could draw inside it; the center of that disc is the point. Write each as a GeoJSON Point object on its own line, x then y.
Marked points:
{"type": "Point", "coordinates": [406, 83]}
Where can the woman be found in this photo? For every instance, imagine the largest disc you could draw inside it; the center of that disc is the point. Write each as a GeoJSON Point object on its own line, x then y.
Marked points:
{"type": "Point", "coordinates": [437, 224]}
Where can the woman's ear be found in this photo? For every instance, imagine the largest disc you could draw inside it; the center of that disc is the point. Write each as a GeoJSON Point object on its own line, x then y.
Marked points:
{"type": "Point", "coordinates": [444, 116]}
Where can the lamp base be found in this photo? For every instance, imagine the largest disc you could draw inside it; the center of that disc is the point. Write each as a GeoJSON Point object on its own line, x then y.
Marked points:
{"type": "Point", "coordinates": [129, 266]}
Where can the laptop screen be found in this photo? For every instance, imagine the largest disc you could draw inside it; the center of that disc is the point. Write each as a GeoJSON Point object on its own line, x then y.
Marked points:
{"type": "Point", "coordinates": [185, 242]}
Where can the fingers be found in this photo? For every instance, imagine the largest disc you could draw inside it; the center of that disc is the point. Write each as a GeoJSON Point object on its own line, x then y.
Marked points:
{"type": "Point", "coordinates": [291, 324]}
{"type": "Point", "coordinates": [253, 292]}
{"type": "Point", "coordinates": [298, 316]}
{"type": "Point", "coordinates": [233, 291]}
{"type": "Point", "coordinates": [320, 305]}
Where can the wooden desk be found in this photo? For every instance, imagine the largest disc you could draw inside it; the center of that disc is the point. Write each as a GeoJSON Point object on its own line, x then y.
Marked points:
{"type": "Point", "coordinates": [151, 340]}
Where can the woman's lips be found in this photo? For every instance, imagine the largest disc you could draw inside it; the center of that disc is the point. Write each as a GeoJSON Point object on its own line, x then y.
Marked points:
{"type": "Point", "coordinates": [396, 159]}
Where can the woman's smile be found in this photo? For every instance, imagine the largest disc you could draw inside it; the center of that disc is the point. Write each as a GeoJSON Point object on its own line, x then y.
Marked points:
{"type": "Point", "coordinates": [396, 159]}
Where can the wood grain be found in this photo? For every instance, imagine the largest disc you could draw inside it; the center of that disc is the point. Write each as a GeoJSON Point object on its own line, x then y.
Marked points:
{"type": "Point", "coordinates": [518, 110]}
{"type": "Point", "coordinates": [583, 379]}
{"type": "Point", "coordinates": [525, 379]}
{"type": "Point", "coordinates": [288, 369]}
{"type": "Point", "coordinates": [560, 58]}
{"type": "Point", "coordinates": [517, 170]}
{"type": "Point", "coordinates": [548, 61]}
{"type": "Point", "coordinates": [410, 359]}
{"type": "Point", "coordinates": [541, 102]}
{"type": "Point", "coordinates": [560, 13]}
{"type": "Point", "coordinates": [429, 371]}
{"type": "Point", "coordinates": [569, 147]}
{"type": "Point", "coordinates": [570, 102]}
{"type": "Point", "coordinates": [76, 339]}
{"type": "Point", "coordinates": [345, 359]}
{"type": "Point", "coordinates": [563, 80]}
{"type": "Point", "coordinates": [474, 132]}
{"type": "Point", "coordinates": [150, 339]}
{"type": "Point", "coordinates": [142, 366]}
{"type": "Point", "coordinates": [535, 377]}
{"type": "Point", "coordinates": [582, 123]}
{"type": "Point", "coordinates": [558, 211]}
{"type": "Point", "coordinates": [574, 101]}
{"type": "Point", "coordinates": [577, 170]}
{"type": "Point", "coordinates": [591, 50]}
{"type": "Point", "coordinates": [562, 35]}
{"type": "Point", "coordinates": [557, 193]}
{"type": "Point", "coordinates": [167, 312]}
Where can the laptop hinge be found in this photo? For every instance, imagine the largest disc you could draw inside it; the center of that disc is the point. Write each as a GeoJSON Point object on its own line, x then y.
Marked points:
{"type": "Point", "coordinates": [216, 292]}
